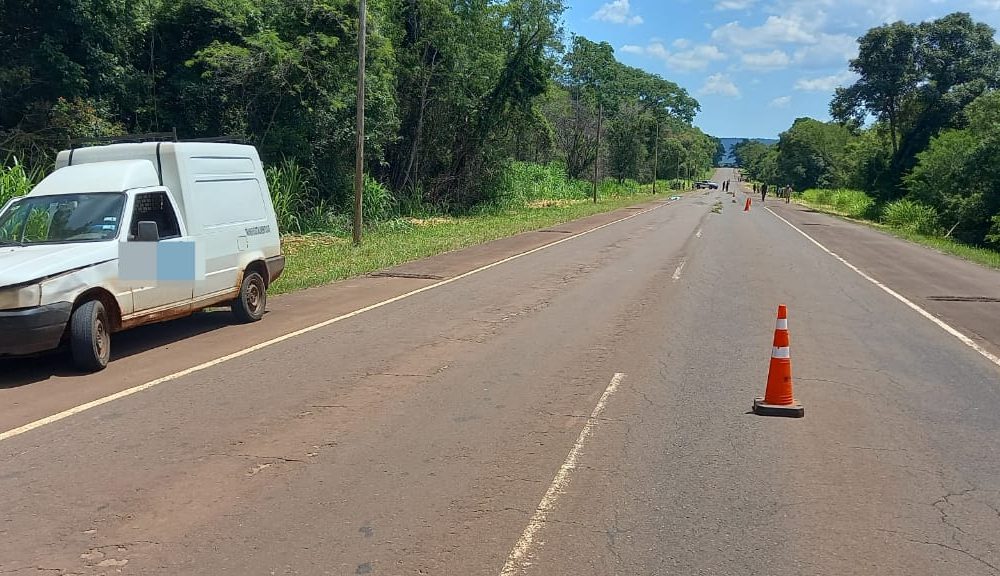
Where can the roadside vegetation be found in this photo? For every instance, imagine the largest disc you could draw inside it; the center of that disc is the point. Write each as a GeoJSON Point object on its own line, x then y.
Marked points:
{"type": "Point", "coordinates": [528, 197]}
{"type": "Point", "coordinates": [904, 218]}
{"type": "Point", "coordinates": [459, 96]}
{"type": "Point", "coordinates": [316, 259]}
{"type": "Point", "coordinates": [16, 181]}
{"type": "Point", "coordinates": [914, 141]}
{"type": "Point", "coordinates": [484, 110]}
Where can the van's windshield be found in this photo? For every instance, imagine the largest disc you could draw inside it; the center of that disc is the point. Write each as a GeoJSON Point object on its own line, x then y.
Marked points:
{"type": "Point", "coordinates": [62, 218]}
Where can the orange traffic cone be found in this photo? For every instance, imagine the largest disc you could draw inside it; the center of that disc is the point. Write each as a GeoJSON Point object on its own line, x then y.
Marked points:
{"type": "Point", "coordinates": [778, 399]}
{"type": "Point", "coordinates": [747, 207]}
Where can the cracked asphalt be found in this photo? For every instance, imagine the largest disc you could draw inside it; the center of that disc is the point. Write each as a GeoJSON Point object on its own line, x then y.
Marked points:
{"type": "Point", "coordinates": [420, 437]}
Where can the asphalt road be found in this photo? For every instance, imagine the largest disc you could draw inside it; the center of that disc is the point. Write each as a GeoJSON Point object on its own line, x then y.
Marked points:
{"type": "Point", "coordinates": [578, 410]}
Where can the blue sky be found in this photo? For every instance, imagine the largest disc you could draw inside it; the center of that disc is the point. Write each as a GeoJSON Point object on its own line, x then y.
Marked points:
{"type": "Point", "coordinates": [754, 65]}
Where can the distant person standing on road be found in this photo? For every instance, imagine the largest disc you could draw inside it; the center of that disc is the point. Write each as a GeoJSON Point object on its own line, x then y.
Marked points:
{"type": "Point", "coordinates": [763, 192]}
{"type": "Point", "coordinates": [788, 194]}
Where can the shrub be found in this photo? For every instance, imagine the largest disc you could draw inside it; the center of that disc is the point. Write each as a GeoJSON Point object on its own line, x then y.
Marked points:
{"type": "Point", "coordinates": [817, 196]}
{"type": "Point", "coordinates": [853, 203]}
{"type": "Point", "coordinates": [525, 182]}
{"type": "Point", "coordinates": [292, 194]}
{"type": "Point", "coordinates": [378, 203]}
{"type": "Point", "coordinates": [994, 235]}
{"type": "Point", "coordinates": [912, 216]}
{"type": "Point", "coordinates": [16, 181]}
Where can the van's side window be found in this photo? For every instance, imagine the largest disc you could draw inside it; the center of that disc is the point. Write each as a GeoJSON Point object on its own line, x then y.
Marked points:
{"type": "Point", "coordinates": [155, 207]}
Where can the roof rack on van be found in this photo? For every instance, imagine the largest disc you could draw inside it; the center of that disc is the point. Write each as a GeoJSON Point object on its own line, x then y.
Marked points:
{"type": "Point", "coordinates": [218, 140]}
{"type": "Point", "coordinates": [158, 137]}
{"type": "Point", "coordinates": [131, 138]}
{"type": "Point", "coordinates": [151, 137]}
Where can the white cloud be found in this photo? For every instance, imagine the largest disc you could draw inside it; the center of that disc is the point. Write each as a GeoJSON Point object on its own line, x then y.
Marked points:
{"type": "Point", "coordinates": [825, 83]}
{"type": "Point", "coordinates": [720, 84]}
{"type": "Point", "coordinates": [775, 31]}
{"type": "Point", "coordinates": [811, 38]}
{"type": "Point", "coordinates": [697, 58]}
{"type": "Point", "coordinates": [618, 12]}
{"type": "Point", "coordinates": [780, 102]}
{"type": "Point", "coordinates": [722, 5]}
{"type": "Point", "coordinates": [829, 50]}
{"type": "Point", "coordinates": [773, 60]}
{"type": "Point", "coordinates": [691, 57]}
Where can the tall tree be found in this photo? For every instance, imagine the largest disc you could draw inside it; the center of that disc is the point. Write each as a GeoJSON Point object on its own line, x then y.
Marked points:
{"type": "Point", "coordinates": [809, 151]}
{"type": "Point", "coordinates": [887, 66]}
{"type": "Point", "coordinates": [916, 79]}
{"type": "Point", "coordinates": [69, 61]}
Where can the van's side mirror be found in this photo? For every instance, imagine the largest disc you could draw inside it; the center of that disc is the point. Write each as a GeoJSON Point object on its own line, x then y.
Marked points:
{"type": "Point", "coordinates": [148, 232]}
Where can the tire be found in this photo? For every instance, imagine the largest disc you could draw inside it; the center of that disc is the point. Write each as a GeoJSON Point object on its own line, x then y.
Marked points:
{"type": "Point", "coordinates": [249, 306]}
{"type": "Point", "coordinates": [90, 337]}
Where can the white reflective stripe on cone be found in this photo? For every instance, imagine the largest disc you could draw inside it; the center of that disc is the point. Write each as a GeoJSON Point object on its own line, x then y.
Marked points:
{"type": "Point", "coordinates": [782, 324]}
{"type": "Point", "coordinates": [780, 352]}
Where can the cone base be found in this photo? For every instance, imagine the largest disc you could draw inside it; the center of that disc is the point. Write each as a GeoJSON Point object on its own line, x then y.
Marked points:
{"type": "Point", "coordinates": [793, 410]}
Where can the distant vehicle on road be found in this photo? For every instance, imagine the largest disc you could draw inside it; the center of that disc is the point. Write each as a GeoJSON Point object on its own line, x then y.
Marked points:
{"type": "Point", "coordinates": [127, 234]}
{"type": "Point", "coordinates": [702, 184]}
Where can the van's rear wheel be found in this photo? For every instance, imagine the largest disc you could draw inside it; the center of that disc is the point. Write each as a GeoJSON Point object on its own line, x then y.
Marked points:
{"type": "Point", "coordinates": [90, 337]}
{"type": "Point", "coordinates": [249, 306]}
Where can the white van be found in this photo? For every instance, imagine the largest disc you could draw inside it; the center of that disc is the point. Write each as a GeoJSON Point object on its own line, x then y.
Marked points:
{"type": "Point", "coordinates": [129, 234]}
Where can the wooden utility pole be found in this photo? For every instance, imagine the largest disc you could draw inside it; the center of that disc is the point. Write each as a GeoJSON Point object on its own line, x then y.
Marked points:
{"type": "Point", "coordinates": [656, 155]}
{"type": "Point", "coordinates": [359, 152]}
{"type": "Point", "coordinates": [597, 156]}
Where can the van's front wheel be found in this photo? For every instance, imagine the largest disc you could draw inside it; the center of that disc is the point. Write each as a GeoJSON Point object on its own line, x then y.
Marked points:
{"type": "Point", "coordinates": [90, 337]}
{"type": "Point", "coordinates": [249, 306]}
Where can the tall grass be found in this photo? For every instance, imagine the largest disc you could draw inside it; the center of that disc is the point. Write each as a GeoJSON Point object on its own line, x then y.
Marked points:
{"type": "Point", "coordinates": [851, 203]}
{"type": "Point", "coordinates": [524, 182]}
{"type": "Point", "coordinates": [16, 180]}
{"type": "Point", "coordinates": [378, 203]}
{"type": "Point", "coordinates": [292, 194]}
{"type": "Point", "coordinates": [540, 185]}
{"type": "Point", "coordinates": [913, 216]}
{"type": "Point", "coordinates": [903, 218]}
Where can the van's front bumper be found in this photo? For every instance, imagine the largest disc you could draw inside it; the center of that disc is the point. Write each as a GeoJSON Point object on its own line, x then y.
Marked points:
{"type": "Point", "coordinates": [33, 330]}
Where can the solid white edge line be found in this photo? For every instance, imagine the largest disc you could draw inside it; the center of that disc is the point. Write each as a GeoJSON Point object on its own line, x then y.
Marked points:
{"type": "Point", "coordinates": [518, 557]}
{"type": "Point", "coordinates": [677, 272]}
{"type": "Point", "coordinates": [940, 323]}
{"type": "Point", "coordinates": [186, 372]}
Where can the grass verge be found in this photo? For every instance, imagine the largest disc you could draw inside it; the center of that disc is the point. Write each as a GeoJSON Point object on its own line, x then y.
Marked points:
{"type": "Point", "coordinates": [982, 256]}
{"type": "Point", "coordinates": [317, 259]}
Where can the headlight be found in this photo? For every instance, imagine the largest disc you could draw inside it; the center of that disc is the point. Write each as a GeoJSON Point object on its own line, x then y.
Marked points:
{"type": "Point", "coordinates": [20, 297]}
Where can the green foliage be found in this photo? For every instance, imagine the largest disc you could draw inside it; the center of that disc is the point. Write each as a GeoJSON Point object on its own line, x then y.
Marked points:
{"type": "Point", "coordinates": [934, 89]}
{"type": "Point", "coordinates": [851, 203]}
{"type": "Point", "coordinates": [641, 114]}
{"type": "Point", "coordinates": [759, 161]}
{"type": "Point", "coordinates": [293, 196]}
{"type": "Point", "coordinates": [808, 153]}
{"type": "Point", "coordinates": [916, 79]}
{"type": "Point", "coordinates": [958, 175]}
{"type": "Point", "coordinates": [377, 201]}
{"type": "Point", "coordinates": [913, 216]}
{"type": "Point", "coordinates": [16, 181]}
{"type": "Point", "coordinates": [455, 93]}
{"type": "Point", "coordinates": [523, 183]}
{"type": "Point", "coordinates": [865, 162]}
{"type": "Point", "coordinates": [993, 237]}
